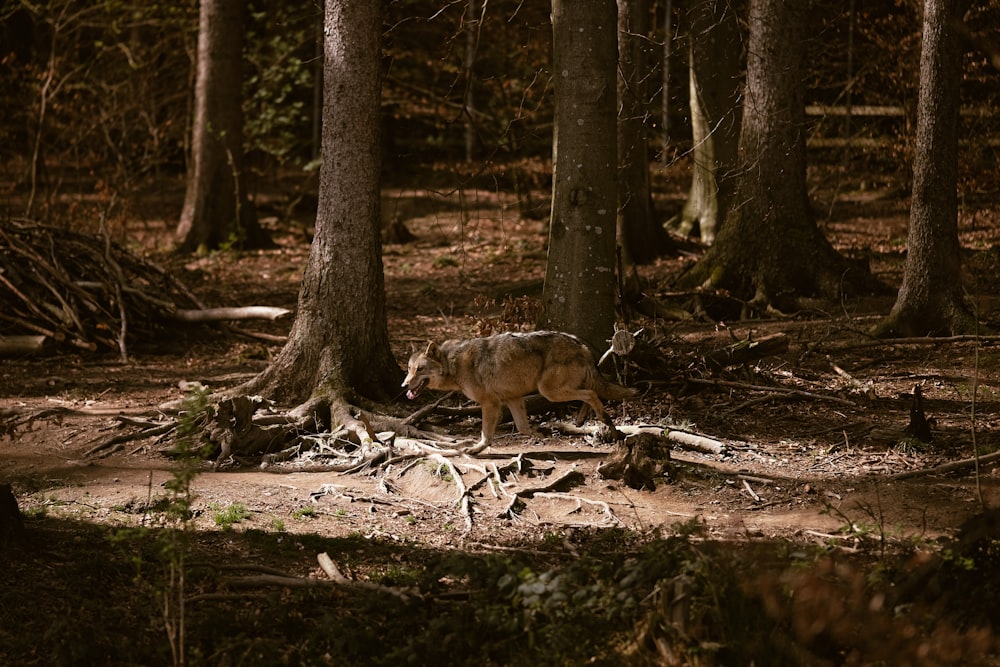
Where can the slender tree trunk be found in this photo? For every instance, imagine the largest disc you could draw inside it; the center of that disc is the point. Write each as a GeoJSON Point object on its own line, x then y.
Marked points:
{"type": "Point", "coordinates": [641, 239]}
{"type": "Point", "coordinates": [339, 344]}
{"type": "Point", "coordinates": [714, 53]}
{"type": "Point", "coordinates": [930, 300]}
{"type": "Point", "coordinates": [216, 209]}
{"type": "Point", "coordinates": [579, 293]}
{"type": "Point", "coordinates": [668, 51]}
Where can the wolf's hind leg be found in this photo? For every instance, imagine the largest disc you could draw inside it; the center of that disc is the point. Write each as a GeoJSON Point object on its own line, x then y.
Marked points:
{"type": "Point", "coordinates": [520, 414]}
{"type": "Point", "coordinates": [562, 394]}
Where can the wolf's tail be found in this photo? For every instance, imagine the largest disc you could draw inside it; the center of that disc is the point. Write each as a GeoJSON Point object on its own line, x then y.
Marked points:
{"type": "Point", "coordinates": [610, 390]}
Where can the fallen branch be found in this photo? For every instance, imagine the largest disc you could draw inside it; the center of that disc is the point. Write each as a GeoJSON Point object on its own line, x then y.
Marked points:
{"type": "Point", "coordinates": [951, 466]}
{"type": "Point", "coordinates": [220, 314]}
{"type": "Point", "coordinates": [747, 350]}
{"type": "Point", "coordinates": [330, 568]}
{"type": "Point", "coordinates": [15, 345]}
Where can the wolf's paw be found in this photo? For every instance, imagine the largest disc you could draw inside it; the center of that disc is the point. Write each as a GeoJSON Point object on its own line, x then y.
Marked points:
{"type": "Point", "coordinates": [473, 447]}
{"type": "Point", "coordinates": [540, 432]}
{"type": "Point", "coordinates": [608, 434]}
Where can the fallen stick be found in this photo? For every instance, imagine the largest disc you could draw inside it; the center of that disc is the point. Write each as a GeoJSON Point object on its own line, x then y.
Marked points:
{"type": "Point", "coordinates": [685, 439]}
{"type": "Point", "coordinates": [694, 441]}
{"type": "Point", "coordinates": [331, 570]}
{"type": "Point", "coordinates": [11, 345]}
{"type": "Point", "coordinates": [951, 466]}
{"type": "Point", "coordinates": [219, 314]}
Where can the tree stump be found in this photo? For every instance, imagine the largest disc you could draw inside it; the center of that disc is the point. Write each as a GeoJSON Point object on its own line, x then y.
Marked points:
{"type": "Point", "coordinates": [11, 524]}
{"type": "Point", "coordinates": [636, 460]}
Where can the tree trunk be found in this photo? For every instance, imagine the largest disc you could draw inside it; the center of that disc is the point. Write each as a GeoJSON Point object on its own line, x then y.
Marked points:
{"type": "Point", "coordinates": [770, 251]}
{"type": "Point", "coordinates": [930, 300]}
{"type": "Point", "coordinates": [714, 55]}
{"type": "Point", "coordinates": [641, 239]}
{"type": "Point", "coordinates": [339, 344]}
{"type": "Point", "coordinates": [216, 209]}
{"type": "Point", "coordinates": [579, 294]}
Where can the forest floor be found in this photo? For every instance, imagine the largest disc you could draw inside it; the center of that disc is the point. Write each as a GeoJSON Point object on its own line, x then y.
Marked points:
{"type": "Point", "coordinates": [804, 514]}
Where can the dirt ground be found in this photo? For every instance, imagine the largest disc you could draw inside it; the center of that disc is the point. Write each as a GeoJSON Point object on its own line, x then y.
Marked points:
{"type": "Point", "coordinates": [813, 468]}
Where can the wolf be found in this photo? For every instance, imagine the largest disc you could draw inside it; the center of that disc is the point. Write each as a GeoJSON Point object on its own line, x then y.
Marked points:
{"type": "Point", "coordinates": [503, 369]}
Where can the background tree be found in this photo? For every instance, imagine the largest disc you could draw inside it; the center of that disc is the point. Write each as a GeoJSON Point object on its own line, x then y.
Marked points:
{"type": "Point", "coordinates": [930, 300]}
{"type": "Point", "coordinates": [338, 347]}
{"type": "Point", "coordinates": [770, 251]}
{"type": "Point", "coordinates": [579, 292]}
{"type": "Point", "coordinates": [640, 238]}
{"type": "Point", "coordinates": [216, 209]}
{"type": "Point", "coordinates": [714, 57]}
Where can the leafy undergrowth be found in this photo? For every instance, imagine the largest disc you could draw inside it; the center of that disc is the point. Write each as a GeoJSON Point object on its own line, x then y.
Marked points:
{"type": "Point", "coordinates": [75, 593]}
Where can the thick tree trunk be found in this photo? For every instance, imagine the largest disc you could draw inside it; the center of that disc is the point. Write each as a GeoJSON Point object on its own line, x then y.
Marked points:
{"type": "Point", "coordinates": [641, 239]}
{"type": "Point", "coordinates": [216, 209]}
{"type": "Point", "coordinates": [339, 344]}
{"type": "Point", "coordinates": [714, 52]}
{"type": "Point", "coordinates": [930, 300]}
{"type": "Point", "coordinates": [579, 294]}
{"type": "Point", "coordinates": [770, 251]}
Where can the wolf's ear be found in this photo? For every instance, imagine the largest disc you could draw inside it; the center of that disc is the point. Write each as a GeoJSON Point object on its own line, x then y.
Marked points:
{"type": "Point", "coordinates": [432, 349]}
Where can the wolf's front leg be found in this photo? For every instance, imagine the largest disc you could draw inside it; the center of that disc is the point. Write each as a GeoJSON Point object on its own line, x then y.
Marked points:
{"type": "Point", "coordinates": [491, 416]}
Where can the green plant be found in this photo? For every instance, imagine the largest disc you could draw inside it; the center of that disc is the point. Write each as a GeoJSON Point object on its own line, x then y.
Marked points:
{"type": "Point", "coordinates": [304, 513]}
{"type": "Point", "coordinates": [235, 513]}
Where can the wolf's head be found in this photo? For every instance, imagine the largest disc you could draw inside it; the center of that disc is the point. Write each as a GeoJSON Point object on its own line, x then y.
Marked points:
{"type": "Point", "coordinates": [425, 369]}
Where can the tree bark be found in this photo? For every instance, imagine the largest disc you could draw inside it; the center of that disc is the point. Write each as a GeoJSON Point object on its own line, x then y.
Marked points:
{"type": "Point", "coordinates": [930, 301]}
{"type": "Point", "coordinates": [714, 56]}
{"type": "Point", "coordinates": [216, 208]}
{"type": "Point", "coordinates": [338, 347]}
{"type": "Point", "coordinates": [579, 292]}
{"type": "Point", "coordinates": [640, 238]}
{"type": "Point", "coordinates": [769, 251]}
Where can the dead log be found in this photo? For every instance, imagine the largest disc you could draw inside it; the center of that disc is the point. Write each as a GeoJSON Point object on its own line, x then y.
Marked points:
{"type": "Point", "coordinates": [16, 345]}
{"type": "Point", "coordinates": [747, 350]}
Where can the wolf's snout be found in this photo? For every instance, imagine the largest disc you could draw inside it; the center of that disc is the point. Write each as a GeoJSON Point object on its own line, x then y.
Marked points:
{"type": "Point", "coordinates": [414, 390]}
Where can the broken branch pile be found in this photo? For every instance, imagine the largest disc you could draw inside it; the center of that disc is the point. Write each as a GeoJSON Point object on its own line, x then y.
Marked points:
{"type": "Point", "coordinates": [67, 288]}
